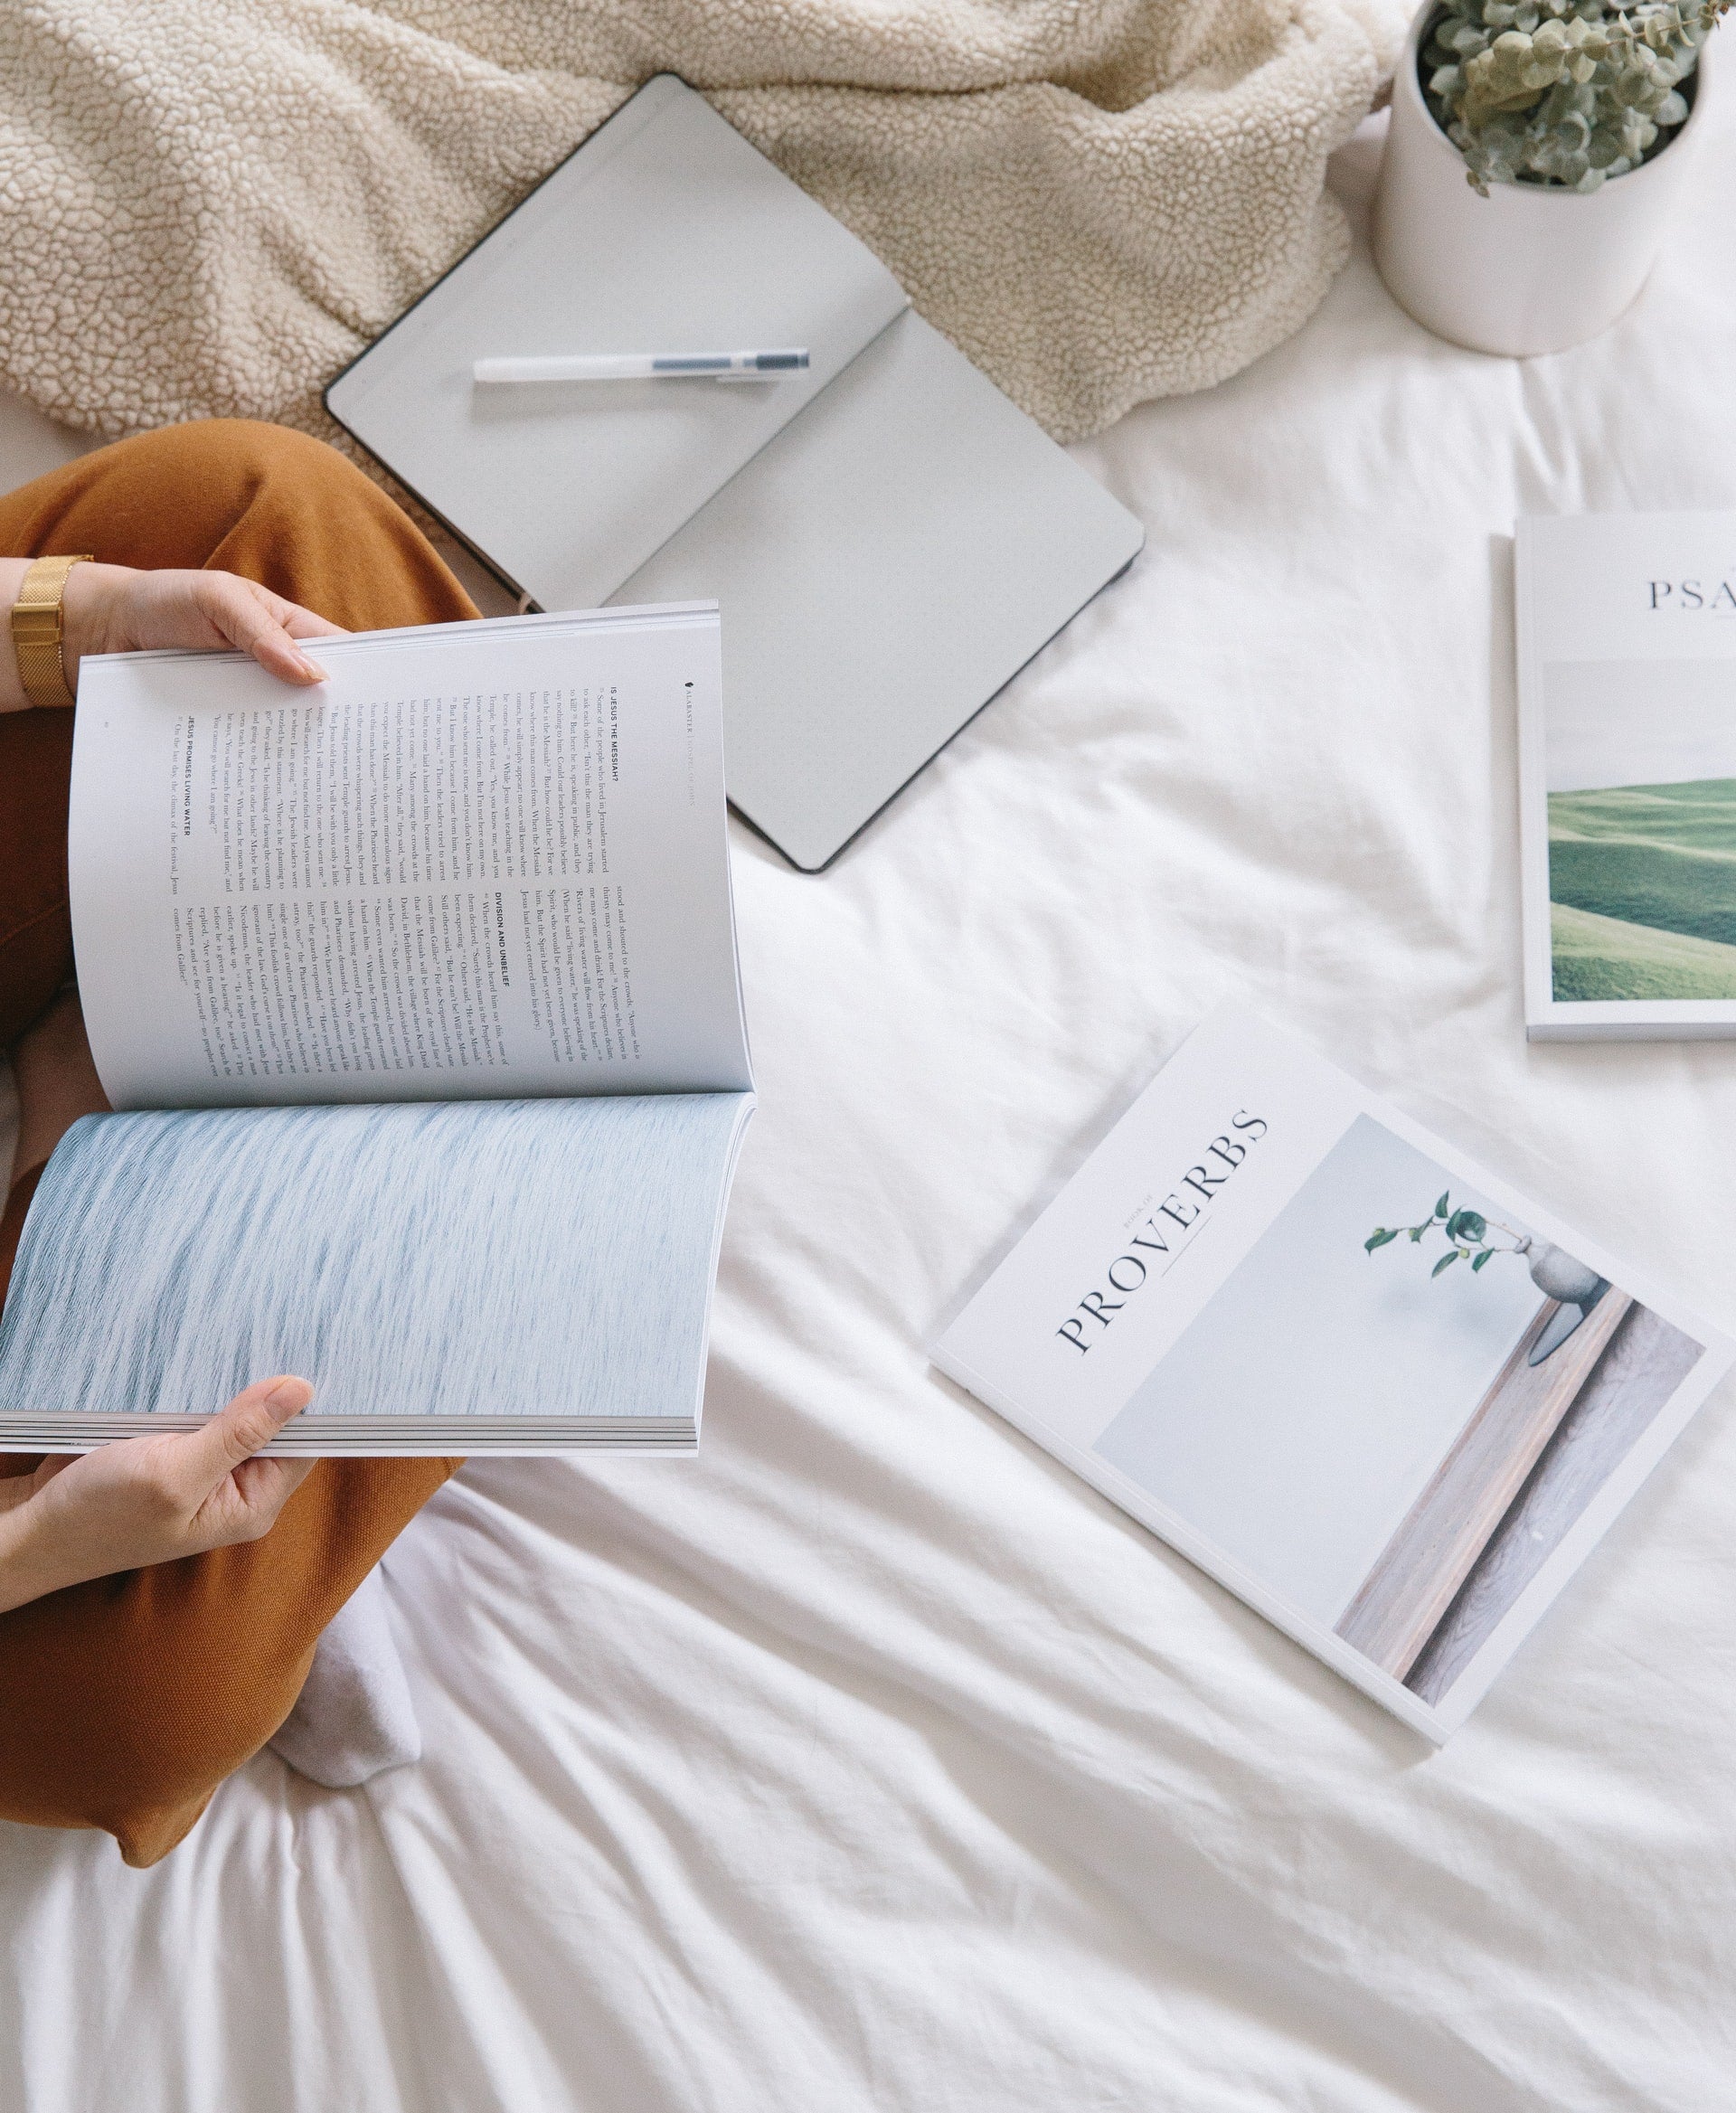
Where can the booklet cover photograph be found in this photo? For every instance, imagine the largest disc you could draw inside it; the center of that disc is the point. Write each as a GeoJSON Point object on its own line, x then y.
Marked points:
{"type": "Point", "coordinates": [1387, 1402]}
{"type": "Point", "coordinates": [1427, 1422]}
{"type": "Point", "coordinates": [1642, 830]}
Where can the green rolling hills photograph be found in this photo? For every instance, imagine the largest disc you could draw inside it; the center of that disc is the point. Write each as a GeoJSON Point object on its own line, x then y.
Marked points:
{"type": "Point", "coordinates": [1642, 886]}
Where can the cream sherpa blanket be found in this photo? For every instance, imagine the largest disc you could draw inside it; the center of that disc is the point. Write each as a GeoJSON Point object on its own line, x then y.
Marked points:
{"type": "Point", "coordinates": [207, 206]}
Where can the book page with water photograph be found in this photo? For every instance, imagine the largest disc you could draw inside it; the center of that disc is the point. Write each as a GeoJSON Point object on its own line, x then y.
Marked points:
{"type": "Point", "coordinates": [1627, 630]}
{"type": "Point", "coordinates": [1390, 1404]}
{"type": "Point", "coordinates": [518, 1277]}
{"type": "Point", "coordinates": [485, 860]}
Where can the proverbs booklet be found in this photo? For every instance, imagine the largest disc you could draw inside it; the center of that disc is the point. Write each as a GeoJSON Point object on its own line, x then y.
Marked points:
{"type": "Point", "coordinates": [1386, 1401]}
{"type": "Point", "coordinates": [1627, 773]}
{"type": "Point", "coordinates": [417, 997]}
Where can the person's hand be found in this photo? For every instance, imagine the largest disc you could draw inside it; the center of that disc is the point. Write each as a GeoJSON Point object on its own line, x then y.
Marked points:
{"type": "Point", "coordinates": [148, 1500]}
{"type": "Point", "coordinates": [112, 609]}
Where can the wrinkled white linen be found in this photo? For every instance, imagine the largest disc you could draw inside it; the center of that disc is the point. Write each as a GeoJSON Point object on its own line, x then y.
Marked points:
{"type": "Point", "coordinates": [872, 1762]}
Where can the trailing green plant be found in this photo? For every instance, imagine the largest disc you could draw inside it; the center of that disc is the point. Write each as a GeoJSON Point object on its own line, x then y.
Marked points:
{"type": "Point", "coordinates": [1563, 93]}
{"type": "Point", "coordinates": [1468, 1237]}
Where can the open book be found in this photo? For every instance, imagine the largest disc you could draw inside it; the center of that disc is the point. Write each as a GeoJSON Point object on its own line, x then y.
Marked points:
{"type": "Point", "coordinates": [1388, 1402]}
{"type": "Point", "coordinates": [418, 998]}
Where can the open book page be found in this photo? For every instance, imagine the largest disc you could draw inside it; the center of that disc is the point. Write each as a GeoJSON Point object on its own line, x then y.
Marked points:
{"type": "Point", "coordinates": [1385, 1401]}
{"type": "Point", "coordinates": [516, 1273]}
{"type": "Point", "coordinates": [487, 860]}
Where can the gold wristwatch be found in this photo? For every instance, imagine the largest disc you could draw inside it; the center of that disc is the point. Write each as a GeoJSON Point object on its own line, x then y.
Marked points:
{"type": "Point", "coordinates": [37, 629]}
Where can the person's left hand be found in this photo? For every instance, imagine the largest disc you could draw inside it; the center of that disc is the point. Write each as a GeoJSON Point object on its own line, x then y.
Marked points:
{"type": "Point", "coordinates": [112, 609]}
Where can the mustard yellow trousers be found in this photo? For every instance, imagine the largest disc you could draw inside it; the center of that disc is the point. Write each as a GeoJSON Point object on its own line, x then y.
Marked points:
{"type": "Point", "coordinates": [124, 1701]}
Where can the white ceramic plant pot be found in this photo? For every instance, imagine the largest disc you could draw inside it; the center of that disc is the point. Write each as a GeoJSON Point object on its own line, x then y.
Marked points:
{"type": "Point", "coordinates": [1560, 1274]}
{"type": "Point", "coordinates": [1526, 269]}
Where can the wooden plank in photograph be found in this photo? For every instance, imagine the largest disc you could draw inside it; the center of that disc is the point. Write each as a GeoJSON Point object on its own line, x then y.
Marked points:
{"type": "Point", "coordinates": [1647, 1359]}
{"type": "Point", "coordinates": [1418, 1572]}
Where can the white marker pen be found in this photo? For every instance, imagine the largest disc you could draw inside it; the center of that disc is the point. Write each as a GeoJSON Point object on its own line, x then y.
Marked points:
{"type": "Point", "coordinates": [642, 367]}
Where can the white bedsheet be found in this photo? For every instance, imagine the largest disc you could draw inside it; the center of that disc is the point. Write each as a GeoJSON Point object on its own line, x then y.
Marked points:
{"type": "Point", "coordinates": [872, 1761]}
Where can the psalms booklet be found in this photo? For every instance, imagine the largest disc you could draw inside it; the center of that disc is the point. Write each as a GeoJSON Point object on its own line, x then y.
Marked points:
{"type": "Point", "coordinates": [417, 1000]}
{"type": "Point", "coordinates": [1627, 631]}
{"type": "Point", "coordinates": [1385, 1401]}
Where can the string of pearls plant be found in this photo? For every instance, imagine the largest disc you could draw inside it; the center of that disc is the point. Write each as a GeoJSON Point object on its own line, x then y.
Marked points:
{"type": "Point", "coordinates": [1563, 93]}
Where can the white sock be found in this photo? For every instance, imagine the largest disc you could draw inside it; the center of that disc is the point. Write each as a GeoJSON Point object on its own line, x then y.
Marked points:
{"type": "Point", "coordinates": [355, 1718]}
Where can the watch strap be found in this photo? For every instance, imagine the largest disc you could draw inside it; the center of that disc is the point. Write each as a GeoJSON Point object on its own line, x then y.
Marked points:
{"type": "Point", "coordinates": [38, 626]}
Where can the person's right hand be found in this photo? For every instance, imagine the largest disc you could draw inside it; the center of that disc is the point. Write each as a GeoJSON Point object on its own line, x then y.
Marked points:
{"type": "Point", "coordinates": [148, 1500]}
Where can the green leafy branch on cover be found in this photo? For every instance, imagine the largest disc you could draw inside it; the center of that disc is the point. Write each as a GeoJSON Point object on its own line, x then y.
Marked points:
{"type": "Point", "coordinates": [1467, 1235]}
